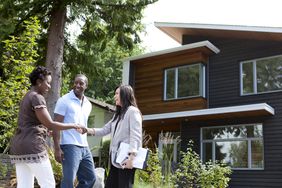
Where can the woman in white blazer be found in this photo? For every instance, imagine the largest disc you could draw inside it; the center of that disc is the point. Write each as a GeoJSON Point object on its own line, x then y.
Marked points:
{"type": "Point", "coordinates": [125, 126]}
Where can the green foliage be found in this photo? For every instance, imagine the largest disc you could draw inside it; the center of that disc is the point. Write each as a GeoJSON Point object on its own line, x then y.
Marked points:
{"type": "Point", "coordinates": [153, 173]}
{"type": "Point", "coordinates": [3, 170]}
{"type": "Point", "coordinates": [111, 31]}
{"type": "Point", "coordinates": [103, 54]}
{"type": "Point", "coordinates": [57, 167]}
{"type": "Point", "coordinates": [105, 154]}
{"type": "Point", "coordinates": [215, 175]}
{"type": "Point", "coordinates": [67, 81]}
{"type": "Point", "coordinates": [192, 174]}
{"type": "Point", "coordinates": [18, 61]}
{"type": "Point", "coordinates": [7, 22]}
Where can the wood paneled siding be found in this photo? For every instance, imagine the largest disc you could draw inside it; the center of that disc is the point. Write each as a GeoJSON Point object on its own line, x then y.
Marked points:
{"type": "Point", "coordinates": [149, 82]}
{"type": "Point", "coordinates": [224, 90]}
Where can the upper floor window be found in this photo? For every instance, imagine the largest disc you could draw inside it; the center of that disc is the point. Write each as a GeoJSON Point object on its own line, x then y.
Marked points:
{"type": "Point", "coordinates": [261, 75]}
{"type": "Point", "coordinates": [240, 146]}
{"type": "Point", "coordinates": [185, 81]}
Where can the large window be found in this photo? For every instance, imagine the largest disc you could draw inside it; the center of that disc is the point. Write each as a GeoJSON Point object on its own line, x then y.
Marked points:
{"type": "Point", "coordinates": [239, 146]}
{"type": "Point", "coordinates": [261, 75]}
{"type": "Point", "coordinates": [184, 81]}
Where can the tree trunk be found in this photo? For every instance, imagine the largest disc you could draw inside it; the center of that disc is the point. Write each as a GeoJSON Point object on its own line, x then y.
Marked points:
{"type": "Point", "coordinates": [54, 57]}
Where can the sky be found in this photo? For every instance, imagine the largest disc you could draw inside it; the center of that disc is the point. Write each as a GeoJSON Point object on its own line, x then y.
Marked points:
{"type": "Point", "coordinates": [228, 12]}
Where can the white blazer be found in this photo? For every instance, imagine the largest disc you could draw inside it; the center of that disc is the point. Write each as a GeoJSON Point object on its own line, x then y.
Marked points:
{"type": "Point", "coordinates": [128, 130]}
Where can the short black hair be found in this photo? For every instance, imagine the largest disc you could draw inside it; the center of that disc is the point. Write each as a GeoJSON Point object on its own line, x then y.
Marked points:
{"type": "Point", "coordinates": [39, 72]}
{"type": "Point", "coordinates": [83, 76]}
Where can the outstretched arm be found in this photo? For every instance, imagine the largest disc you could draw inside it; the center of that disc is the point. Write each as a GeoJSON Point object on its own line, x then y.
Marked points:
{"type": "Point", "coordinates": [45, 118]}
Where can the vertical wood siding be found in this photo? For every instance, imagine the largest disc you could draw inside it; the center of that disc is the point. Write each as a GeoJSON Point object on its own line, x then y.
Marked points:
{"type": "Point", "coordinates": [149, 82]}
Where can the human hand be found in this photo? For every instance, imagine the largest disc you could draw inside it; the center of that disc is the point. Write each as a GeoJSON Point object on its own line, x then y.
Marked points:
{"type": "Point", "coordinates": [128, 163]}
{"type": "Point", "coordinates": [49, 133]}
{"type": "Point", "coordinates": [59, 155]}
{"type": "Point", "coordinates": [82, 130]}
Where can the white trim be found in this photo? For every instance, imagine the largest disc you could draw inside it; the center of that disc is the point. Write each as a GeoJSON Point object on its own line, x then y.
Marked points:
{"type": "Point", "coordinates": [165, 84]}
{"type": "Point", "coordinates": [202, 73]}
{"type": "Point", "coordinates": [211, 111]}
{"type": "Point", "coordinates": [125, 72]}
{"type": "Point", "coordinates": [176, 83]}
{"type": "Point", "coordinates": [254, 66]}
{"type": "Point", "coordinates": [241, 79]}
{"type": "Point", "coordinates": [177, 49]}
{"type": "Point", "coordinates": [202, 82]}
{"type": "Point", "coordinates": [219, 27]}
{"type": "Point", "coordinates": [214, 141]}
{"type": "Point", "coordinates": [255, 84]}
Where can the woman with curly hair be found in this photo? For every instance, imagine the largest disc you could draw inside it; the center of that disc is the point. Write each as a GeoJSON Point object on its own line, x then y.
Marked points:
{"type": "Point", "coordinates": [28, 146]}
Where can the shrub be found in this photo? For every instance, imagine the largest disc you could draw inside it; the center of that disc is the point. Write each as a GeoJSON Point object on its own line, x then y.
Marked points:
{"type": "Point", "coordinates": [18, 61]}
{"type": "Point", "coordinates": [3, 170]}
{"type": "Point", "coordinates": [57, 167]}
{"type": "Point", "coordinates": [188, 171]}
{"type": "Point", "coordinates": [104, 163]}
{"type": "Point", "coordinates": [153, 173]}
{"type": "Point", "coordinates": [192, 174]}
{"type": "Point", "coordinates": [214, 175]}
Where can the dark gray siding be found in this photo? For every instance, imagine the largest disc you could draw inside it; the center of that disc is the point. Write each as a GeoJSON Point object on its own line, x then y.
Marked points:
{"type": "Point", "coordinates": [224, 90]}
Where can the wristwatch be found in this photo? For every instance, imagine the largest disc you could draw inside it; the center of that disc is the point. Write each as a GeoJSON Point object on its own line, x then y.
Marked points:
{"type": "Point", "coordinates": [132, 153]}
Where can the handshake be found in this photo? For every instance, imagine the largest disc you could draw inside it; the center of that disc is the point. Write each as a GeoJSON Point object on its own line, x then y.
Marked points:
{"type": "Point", "coordinates": [81, 129]}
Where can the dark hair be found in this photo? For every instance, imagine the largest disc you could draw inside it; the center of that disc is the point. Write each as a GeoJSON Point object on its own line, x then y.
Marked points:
{"type": "Point", "coordinates": [127, 99]}
{"type": "Point", "coordinates": [39, 72]}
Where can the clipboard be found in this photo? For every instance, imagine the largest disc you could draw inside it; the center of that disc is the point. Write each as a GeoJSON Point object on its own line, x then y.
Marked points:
{"type": "Point", "coordinates": [140, 161]}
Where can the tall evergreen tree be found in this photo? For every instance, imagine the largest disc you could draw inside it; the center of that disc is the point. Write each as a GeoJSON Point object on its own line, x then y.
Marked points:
{"type": "Point", "coordinates": [100, 59]}
{"type": "Point", "coordinates": [121, 21]}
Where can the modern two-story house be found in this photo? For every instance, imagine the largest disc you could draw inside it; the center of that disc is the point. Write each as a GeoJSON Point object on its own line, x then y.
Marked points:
{"type": "Point", "coordinates": [222, 88]}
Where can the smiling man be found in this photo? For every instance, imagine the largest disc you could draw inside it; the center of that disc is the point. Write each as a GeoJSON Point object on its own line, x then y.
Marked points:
{"type": "Point", "coordinates": [71, 147]}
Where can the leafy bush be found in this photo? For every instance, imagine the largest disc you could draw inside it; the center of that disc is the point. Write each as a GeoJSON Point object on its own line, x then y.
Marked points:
{"type": "Point", "coordinates": [18, 61]}
{"type": "Point", "coordinates": [192, 174]}
{"type": "Point", "coordinates": [57, 167]}
{"type": "Point", "coordinates": [105, 155]}
{"type": "Point", "coordinates": [3, 170]}
{"type": "Point", "coordinates": [215, 175]}
{"type": "Point", "coordinates": [153, 173]}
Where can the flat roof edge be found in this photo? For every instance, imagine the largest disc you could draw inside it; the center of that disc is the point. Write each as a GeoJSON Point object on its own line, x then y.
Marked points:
{"type": "Point", "coordinates": [219, 27]}
{"type": "Point", "coordinates": [205, 43]}
{"type": "Point", "coordinates": [211, 111]}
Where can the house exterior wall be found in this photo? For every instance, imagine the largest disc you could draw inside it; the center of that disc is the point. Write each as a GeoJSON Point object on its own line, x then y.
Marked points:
{"type": "Point", "coordinates": [224, 90]}
{"type": "Point", "coordinates": [98, 117]}
{"type": "Point", "coordinates": [149, 82]}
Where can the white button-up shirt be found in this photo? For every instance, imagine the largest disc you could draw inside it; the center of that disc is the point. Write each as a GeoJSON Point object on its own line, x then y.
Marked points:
{"type": "Point", "coordinates": [73, 111]}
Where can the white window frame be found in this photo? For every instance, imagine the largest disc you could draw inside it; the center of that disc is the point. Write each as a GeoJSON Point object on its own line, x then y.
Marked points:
{"type": "Point", "coordinates": [213, 141]}
{"type": "Point", "coordinates": [202, 82]}
{"type": "Point", "coordinates": [254, 62]}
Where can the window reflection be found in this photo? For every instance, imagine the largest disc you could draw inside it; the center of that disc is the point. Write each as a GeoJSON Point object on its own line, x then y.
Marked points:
{"type": "Point", "coordinates": [184, 81]}
{"type": "Point", "coordinates": [234, 153]}
{"type": "Point", "coordinates": [233, 132]}
{"type": "Point", "coordinates": [261, 75]}
{"type": "Point", "coordinates": [257, 151]}
{"type": "Point", "coordinates": [239, 146]}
